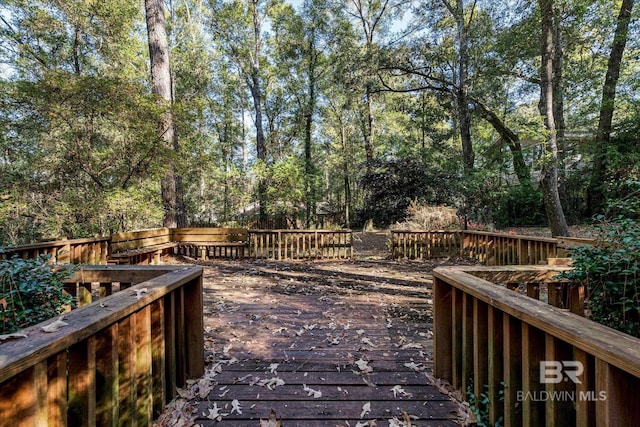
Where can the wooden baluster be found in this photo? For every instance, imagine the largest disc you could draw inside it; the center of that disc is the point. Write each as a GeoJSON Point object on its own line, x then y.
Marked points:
{"type": "Point", "coordinates": [559, 412]}
{"type": "Point", "coordinates": [480, 346]}
{"type": "Point", "coordinates": [533, 352]}
{"type": "Point", "coordinates": [442, 331]}
{"type": "Point", "coordinates": [533, 290]}
{"type": "Point", "coordinates": [158, 354]}
{"type": "Point", "coordinates": [81, 410]}
{"type": "Point", "coordinates": [456, 331]}
{"type": "Point", "coordinates": [467, 341]}
{"type": "Point", "coordinates": [512, 363]}
{"type": "Point", "coordinates": [107, 376]}
{"type": "Point", "coordinates": [495, 353]}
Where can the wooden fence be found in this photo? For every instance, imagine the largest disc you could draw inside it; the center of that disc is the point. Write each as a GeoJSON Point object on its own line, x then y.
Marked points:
{"type": "Point", "coordinates": [424, 244]}
{"type": "Point", "coordinates": [201, 243]}
{"type": "Point", "coordinates": [538, 364]}
{"type": "Point", "coordinates": [300, 244]}
{"type": "Point", "coordinates": [76, 251]}
{"type": "Point", "coordinates": [488, 248]}
{"type": "Point", "coordinates": [119, 359]}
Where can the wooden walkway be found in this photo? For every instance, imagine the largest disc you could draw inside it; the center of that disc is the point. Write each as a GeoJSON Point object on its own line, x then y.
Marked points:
{"type": "Point", "coordinates": [319, 344]}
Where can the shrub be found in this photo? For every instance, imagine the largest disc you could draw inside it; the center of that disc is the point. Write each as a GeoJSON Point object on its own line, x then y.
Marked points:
{"type": "Point", "coordinates": [32, 291]}
{"type": "Point", "coordinates": [521, 205]}
{"type": "Point", "coordinates": [609, 269]}
{"type": "Point", "coordinates": [423, 217]}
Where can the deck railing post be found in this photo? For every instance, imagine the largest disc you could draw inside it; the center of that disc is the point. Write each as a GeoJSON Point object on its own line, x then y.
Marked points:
{"type": "Point", "coordinates": [442, 332]}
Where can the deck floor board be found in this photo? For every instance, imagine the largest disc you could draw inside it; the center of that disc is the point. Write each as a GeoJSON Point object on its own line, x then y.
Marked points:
{"type": "Point", "coordinates": [354, 332]}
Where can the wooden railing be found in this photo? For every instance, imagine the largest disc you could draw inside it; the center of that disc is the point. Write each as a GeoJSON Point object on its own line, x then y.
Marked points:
{"type": "Point", "coordinates": [488, 248]}
{"type": "Point", "coordinates": [507, 249]}
{"type": "Point", "coordinates": [199, 243]}
{"type": "Point", "coordinates": [300, 244]}
{"type": "Point", "coordinates": [76, 251]}
{"type": "Point", "coordinates": [424, 244]}
{"type": "Point", "coordinates": [119, 359]}
{"type": "Point", "coordinates": [537, 364]}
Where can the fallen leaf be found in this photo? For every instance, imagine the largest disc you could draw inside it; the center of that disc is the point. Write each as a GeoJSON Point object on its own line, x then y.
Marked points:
{"type": "Point", "coordinates": [235, 407]}
{"type": "Point", "coordinates": [139, 292]}
{"type": "Point", "coordinates": [214, 413]}
{"type": "Point", "coordinates": [398, 390]}
{"type": "Point", "coordinates": [273, 420]}
{"type": "Point", "coordinates": [418, 367]}
{"type": "Point", "coordinates": [13, 335]}
{"type": "Point", "coordinates": [311, 392]}
{"type": "Point", "coordinates": [367, 341]}
{"type": "Point", "coordinates": [52, 327]}
{"type": "Point", "coordinates": [273, 367]}
{"type": "Point", "coordinates": [271, 383]}
{"type": "Point", "coordinates": [410, 345]}
{"type": "Point", "coordinates": [366, 408]}
{"type": "Point", "coordinates": [363, 365]}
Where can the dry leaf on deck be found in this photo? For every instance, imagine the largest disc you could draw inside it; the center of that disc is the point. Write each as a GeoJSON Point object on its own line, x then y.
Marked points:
{"type": "Point", "coordinates": [235, 407]}
{"type": "Point", "coordinates": [366, 408]}
{"type": "Point", "coordinates": [271, 383]}
{"type": "Point", "coordinates": [311, 392]}
{"type": "Point", "coordinates": [13, 335]}
{"type": "Point", "coordinates": [398, 390]}
{"type": "Point", "coordinates": [214, 413]}
{"type": "Point", "coordinates": [139, 292]}
{"type": "Point", "coordinates": [363, 365]}
{"type": "Point", "coordinates": [52, 327]}
{"type": "Point", "coordinates": [273, 420]}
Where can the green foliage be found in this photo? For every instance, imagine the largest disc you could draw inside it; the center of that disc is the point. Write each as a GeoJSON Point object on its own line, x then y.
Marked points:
{"type": "Point", "coordinates": [610, 269]}
{"type": "Point", "coordinates": [480, 406]}
{"type": "Point", "coordinates": [520, 205]}
{"type": "Point", "coordinates": [392, 185]}
{"type": "Point", "coordinates": [32, 292]}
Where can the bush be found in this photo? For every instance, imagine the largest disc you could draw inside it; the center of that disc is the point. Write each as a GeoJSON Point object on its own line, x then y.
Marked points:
{"type": "Point", "coordinates": [391, 185]}
{"type": "Point", "coordinates": [32, 292]}
{"type": "Point", "coordinates": [609, 269]}
{"type": "Point", "coordinates": [521, 206]}
{"type": "Point", "coordinates": [423, 217]}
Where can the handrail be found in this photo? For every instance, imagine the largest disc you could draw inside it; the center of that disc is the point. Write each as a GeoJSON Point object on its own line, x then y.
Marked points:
{"type": "Point", "coordinates": [487, 247]}
{"type": "Point", "coordinates": [118, 361]}
{"type": "Point", "coordinates": [75, 251]}
{"type": "Point", "coordinates": [488, 335]}
{"type": "Point", "coordinates": [301, 244]}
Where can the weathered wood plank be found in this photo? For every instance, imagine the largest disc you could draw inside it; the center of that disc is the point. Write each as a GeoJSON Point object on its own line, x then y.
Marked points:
{"type": "Point", "coordinates": [107, 377]}
{"type": "Point", "coordinates": [620, 349]}
{"type": "Point", "coordinates": [83, 322]}
{"type": "Point", "coordinates": [141, 234]}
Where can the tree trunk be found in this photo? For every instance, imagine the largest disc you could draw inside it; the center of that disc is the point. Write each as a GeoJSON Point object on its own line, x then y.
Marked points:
{"type": "Point", "coordinates": [368, 127]}
{"type": "Point", "coordinates": [310, 195]}
{"type": "Point", "coordinates": [550, 195]}
{"type": "Point", "coordinates": [558, 99]}
{"type": "Point", "coordinates": [170, 185]}
{"type": "Point", "coordinates": [256, 93]}
{"type": "Point", "coordinates": [596, 192]}
{"type": "Point", "coordinates": [345, 171]}
{"type": "Point", "coordinates": [462, 92]}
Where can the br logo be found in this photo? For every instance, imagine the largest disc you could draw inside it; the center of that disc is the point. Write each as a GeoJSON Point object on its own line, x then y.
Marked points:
{"type": "Point", "coordinates": [554, 371]}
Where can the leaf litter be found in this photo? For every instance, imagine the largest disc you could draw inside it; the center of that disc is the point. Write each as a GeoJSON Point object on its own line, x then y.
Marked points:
{"type": "Point", "coordinates": [333, 319]}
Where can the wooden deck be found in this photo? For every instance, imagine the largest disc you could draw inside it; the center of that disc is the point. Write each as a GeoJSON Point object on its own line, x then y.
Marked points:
{"type": "Point", "coordinates": [319, 344]}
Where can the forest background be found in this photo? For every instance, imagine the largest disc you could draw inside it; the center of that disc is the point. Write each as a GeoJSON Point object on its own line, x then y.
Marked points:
{"type": "Point", "coordinates": [323, 112]}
